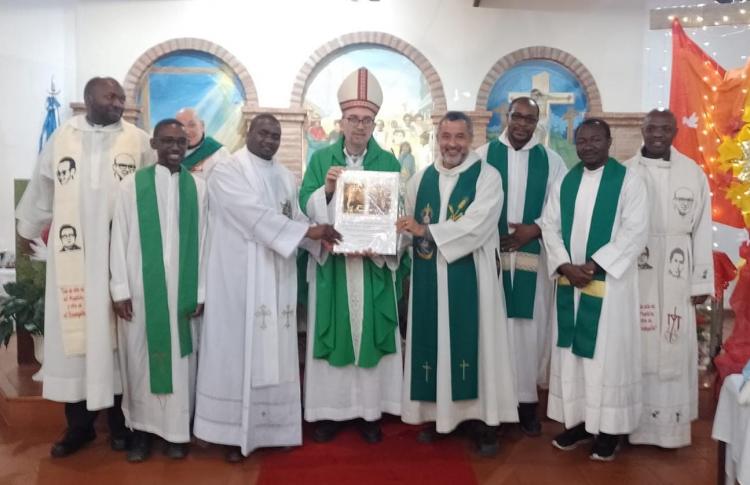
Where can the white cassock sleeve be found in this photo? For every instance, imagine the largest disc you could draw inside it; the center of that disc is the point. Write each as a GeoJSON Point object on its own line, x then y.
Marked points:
{"type": "Point", "coordinates": [389, 260]}
{"type": "Point", "coordinates": [34, 210]}
{"type": "Point", "coordinates": [631, 234]}
{"type": "Point", "coordinates": [703, 261]}
{"type": "Point", "coordinates": [551, 227]}
{"type": "Point", "coordinates": [202, 259]}
{"type": "Point", "coordinates": [456, 239]}
{"type": "Point", "coordinates": [318, 209]}
{"type": "Point", "coordinates": [320, 212]}
{"type": "Point", "coordinates": [121, 227]}
{"type": "Point", "coordinates": [410, 200]}
{"type": "Point", "coordinates": [255, 219]}
{"type": "Point", "coordinates": [315, 248]}
{"type": "Point", "coordinates": [557, 170]}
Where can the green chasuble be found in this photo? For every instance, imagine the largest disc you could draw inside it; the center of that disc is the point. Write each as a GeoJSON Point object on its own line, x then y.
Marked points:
{"type": "Point", "coordinates": [463, 297]}
{"type": "Point", "coordinates": [579, 329]}
{"type": "Point", "coordinates": [333, 336]}
{"type": "Point", "coordinates": [205, 150]}
{"type": "Point", "coordinates": [158, 337]}
{"type": "Point", "coordinates": [520, 292]}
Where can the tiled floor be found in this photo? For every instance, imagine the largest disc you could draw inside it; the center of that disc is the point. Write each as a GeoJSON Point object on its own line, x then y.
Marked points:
{"type": "Point", "coordinates": [24, 459]}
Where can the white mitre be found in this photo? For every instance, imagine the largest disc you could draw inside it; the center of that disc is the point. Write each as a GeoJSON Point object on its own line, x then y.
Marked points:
{"type": "Point", "coordinates": [360, 89]}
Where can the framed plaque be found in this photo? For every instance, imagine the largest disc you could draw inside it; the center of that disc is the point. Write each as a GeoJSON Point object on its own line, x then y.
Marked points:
{"type": "Point", "coordinates": [366, 211]}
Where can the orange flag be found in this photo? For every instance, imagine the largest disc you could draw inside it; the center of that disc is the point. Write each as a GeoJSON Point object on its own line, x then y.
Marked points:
{"type": "Point", "coordinates": [697, 82]}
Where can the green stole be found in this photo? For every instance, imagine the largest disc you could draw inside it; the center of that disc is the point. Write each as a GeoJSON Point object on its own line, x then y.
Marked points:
{"type": "Point", "coordinates": [520, 292]}
{"type": "Point", "coordinates": [205, 150]}
{"type": "Point", "coordinates": [158, 336]}
{"type": "Point", "coordinates": [333, 332]}
{"type": "Point", "coordinates": [579, 329]}
{"type": "Point", "coordinates": [463, 299]}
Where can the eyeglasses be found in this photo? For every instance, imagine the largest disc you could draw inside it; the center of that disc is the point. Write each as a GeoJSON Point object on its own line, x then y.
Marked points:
{"type": "Point", "coordinates": [365, 122]}
{"type": "Point", "coordinates": [529, 119]}
{"type": "Point", "coordinates": [169, 140]}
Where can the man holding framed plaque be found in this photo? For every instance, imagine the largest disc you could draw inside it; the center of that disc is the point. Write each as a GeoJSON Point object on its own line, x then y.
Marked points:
{"type": "Point", "coordinates": [353, 366]}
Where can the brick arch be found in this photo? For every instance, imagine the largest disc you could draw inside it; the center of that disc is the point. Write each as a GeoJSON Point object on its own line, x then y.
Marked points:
{"type": "Point", "coordinates": [381, 39]}
{"type": "Point", "coordinates": [546, 53]}
{"type": "Point", "coordinates": [148, 58]}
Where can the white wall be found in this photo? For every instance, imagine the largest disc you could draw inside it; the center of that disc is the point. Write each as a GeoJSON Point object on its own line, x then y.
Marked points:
{"type": "Point", "coordinates": [36, 43]}
{"type": "Point", "coordinates": [274, 39]}
{"type": "Point", "coordinates": [75, 40]}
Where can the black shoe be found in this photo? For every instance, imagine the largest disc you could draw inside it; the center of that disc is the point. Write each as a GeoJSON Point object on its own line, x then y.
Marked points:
{"type": "Point", "coordinates": [120, 441]}
{"type": "Point", "coordinates": [571, 438]}
{"type": "Point", "coordinates": [605, 447]}
{"type": "Point", "coordinates": [233, 454]}
{"type": "Point", "coordinates": [485, 438]}
{"type": "Point", "coordinates": [370, 431]}
{"type": "Point", "coordinates": [429, 435]}
{"type": "Point", "coordinates": [528, 420]}
{"type": "Point", "coordinates": [72, 441]}
{"type": "Point", "coordinates": [326, 430]}
{"type": "Point", "coordinates": [141, 447]}
{"type": "Point", "coordinates": [176, 451]}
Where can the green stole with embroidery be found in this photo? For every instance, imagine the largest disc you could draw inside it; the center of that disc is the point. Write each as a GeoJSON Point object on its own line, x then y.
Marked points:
{"type": "Point", "coordinates": [158, 335]}
{"type": "Point", "coordinates": [463, 299]}
{"type": "Point", "coordinates": [520, 291]}
{"type": "Point", "coordinates": [579, 329]}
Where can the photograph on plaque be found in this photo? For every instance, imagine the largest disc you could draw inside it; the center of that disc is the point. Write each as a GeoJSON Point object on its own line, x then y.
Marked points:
{"type": "Point", "coordinates": [366, 211]}
{"type": "Point", "coordinates": [379, 199]}
{"type": "Point", "coordinates": [354, 198]}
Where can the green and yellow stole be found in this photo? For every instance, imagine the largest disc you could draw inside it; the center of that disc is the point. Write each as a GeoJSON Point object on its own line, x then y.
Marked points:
{"type": "Point", "coordinates": [579, 329]}
{"type": "Point", "coordinates": [520, 292]}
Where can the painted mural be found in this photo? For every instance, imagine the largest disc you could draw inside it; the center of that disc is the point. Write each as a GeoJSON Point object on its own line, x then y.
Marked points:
{"type": "Point", "coordinates": [198, 80]}
{"type": "Point", "coordinates": [403, 125]}
{"type": "Point", "coordinates": [561, 98]}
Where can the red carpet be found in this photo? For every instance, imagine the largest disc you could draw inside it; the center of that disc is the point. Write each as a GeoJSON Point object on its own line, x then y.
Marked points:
{"type": "Point", "coordinates": [398, 459]}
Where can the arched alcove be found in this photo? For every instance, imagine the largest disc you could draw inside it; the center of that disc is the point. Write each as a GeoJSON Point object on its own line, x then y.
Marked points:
{"type": "Point", "coordinates": [547, 53]}
{"type": "Point", "coordinates": [336, 46]}
{"type": "Point", "coordinates": [147, 59]}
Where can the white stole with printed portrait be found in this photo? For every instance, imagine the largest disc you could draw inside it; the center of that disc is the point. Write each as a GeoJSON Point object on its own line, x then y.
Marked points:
{"type": "Point", "coordinates": [69, 256]}
{"type": "Point", "coordinates": [665, 269]}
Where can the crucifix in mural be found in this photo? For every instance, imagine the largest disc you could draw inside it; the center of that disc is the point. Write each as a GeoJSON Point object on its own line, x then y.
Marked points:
{"type": "Point", "coordinates": [560, 95]}
{"type": "Point", "coordinates": [540, 92]}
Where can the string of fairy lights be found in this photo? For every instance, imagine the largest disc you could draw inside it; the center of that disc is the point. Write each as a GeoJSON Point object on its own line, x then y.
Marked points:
{"type": "Point", "coordinates": [723, 31]}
